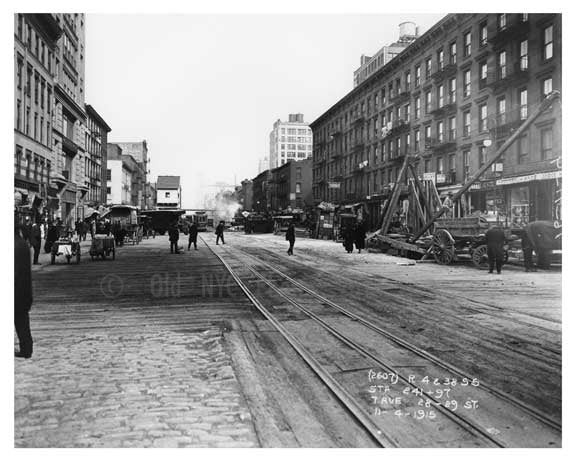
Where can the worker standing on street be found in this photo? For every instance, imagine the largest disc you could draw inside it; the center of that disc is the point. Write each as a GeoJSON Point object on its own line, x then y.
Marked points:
{"type": "Point", "coordinates": [360, 236]}
{"type": "Point", "coordinates": [348, 235]}
{"type": "Point", "coordinates": [220, 232]}
{"type": "Point", "coordinates": [291, 237]}
{"type": "Point", "coordinates": [36, 240]}
{"type": "Point", "coordinates": [174, 235]}
{"type": "Point", "coordinates": [495, 240]}
{"type": "Point", "coordinates": [527, 250]}
{"type": "Point", "coordinates": [192, 235]}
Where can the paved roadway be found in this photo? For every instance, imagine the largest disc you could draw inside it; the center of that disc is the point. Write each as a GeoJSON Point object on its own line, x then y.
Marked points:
{"type": "Point", "coordinates": [129, 353]}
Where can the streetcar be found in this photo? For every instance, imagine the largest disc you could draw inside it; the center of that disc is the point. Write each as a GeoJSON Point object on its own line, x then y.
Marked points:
{"type": "Point", "coordinates": [201, 220]}
{"type": "Point", "coordinates": [161, 220]}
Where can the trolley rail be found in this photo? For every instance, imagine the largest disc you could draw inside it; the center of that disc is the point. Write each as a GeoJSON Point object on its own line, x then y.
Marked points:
{"type": "Point", "coordinates": [483, 437]}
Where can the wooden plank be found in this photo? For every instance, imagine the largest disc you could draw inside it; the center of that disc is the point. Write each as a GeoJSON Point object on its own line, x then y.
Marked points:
{"type": "Point", "coordinates": [400, 244]}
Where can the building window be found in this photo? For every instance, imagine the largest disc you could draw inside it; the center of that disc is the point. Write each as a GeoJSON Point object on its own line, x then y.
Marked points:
{"type": "Point", "coordinates": [452, 162]}
{"type": "Point", "coordinates": [440, 165]}
{"type": "Point", "coordinates": [407, 113]}
{"type": "Point", "coordinates": [427, 165]}
{"type": "Point", "coordinates": [427, 134]}
{"type": "Point", "coordinates": [483, 34]}
{"type": "Point", "coordinates": [440, 131]}
{"type": "Point", "coordinates": [298, 188]}
{"type": "Point", "coordinates": [108, 174]}
{"type": "Point", "coordinates": [546, 143]}
{"type": "Point", "coordinates": [417, 76]}
{"type": "Point", "coordinates": [407, 81]}
{"type": "Point", "coordinates": [467, 122]}
{"type": "Point", "coordinates": [166, 194]}
{"type": "Point", "coordinates": [453, 53]}
{"type": "Point", "coordinates": [466, 163]}
{"type": "Point", "coordinates": [483, 74]}
{"type": "Point", "coordinates": [502, 64]}
{"type": "Point", "coordinates": [28, 121]}
{"type": "Point", "coordinates": [440, 59]}
{"type": "Point", "coordinates": [524, 55]}
{"type": "Point", "coordinates": [523, 149]}
{"type": "Point", "coordinates": [546, 87]}
{"type": "Point", "coordinates": [20, 65]}
{"type": "Point", "coordinates": [482, 118]}
{"type": "Point", "coordinates": [440, 96]}
{"type": "Point", "coordinates": [428, 68]}
{"type": "Point", "coordinates": [548, 43]}
{"type": "Point", "coordinates": [18, 115]}
{"type": "Point", "coordinates": [452, 91]}
{"type": "Point", "coordinates": [482, 152]}
{"type": "Point", "coordinates": [417, 108]}
{"type": "Point", "coordinates": [501, 21]}
{"type": "Point", "coordinates": [417, 141]}
{"type": "Point", "coordinates": [467, 44]}
{"type": "Point", "coordinates": [428, 102]}
{"type": "Point", "coordinates": [36, 132]}
{"type": "Point", "coordinates": [523, 98]}
{"type": "Point", "coordinates": [501, 110]}
{"type": "Point", "coordinates": [452, 129]}
{"type": "Point", "coordinates": [467, 83]}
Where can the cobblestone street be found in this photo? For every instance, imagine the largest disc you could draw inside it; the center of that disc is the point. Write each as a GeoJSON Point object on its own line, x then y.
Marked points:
{"type": "Point", "coordinates": [142, 385]}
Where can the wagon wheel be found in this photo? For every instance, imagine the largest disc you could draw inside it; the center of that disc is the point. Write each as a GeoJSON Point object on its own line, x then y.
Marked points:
{"type": "Point", "coordinates": [443, 247]}
{"type": "Point", "coordinates": [480, 256]}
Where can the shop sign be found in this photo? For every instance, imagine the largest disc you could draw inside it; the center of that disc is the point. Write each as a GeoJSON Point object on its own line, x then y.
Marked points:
{"type": "Point", "coordinates": [529, 178]}
{"type": "Point", "coordinates": [488, 184]}
{"type": "Point", "coordinates": [333, 185]}
{"type": "Point", "coordinates": [440, 178]}
{"type": "Point", "coordinates": [430, 177]}
{"type": "Point", "coordinates": [475, 186]}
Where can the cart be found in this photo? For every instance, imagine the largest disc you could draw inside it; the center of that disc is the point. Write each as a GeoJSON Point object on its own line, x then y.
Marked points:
{"type": "Point", "coordinates": [133, 234]}
{"type": "Point", "coordinates": [67, 247]}
{"type": "Point", "coordinates": [460, 239]}
{"type": "Point", "coordinates": [102, 246]}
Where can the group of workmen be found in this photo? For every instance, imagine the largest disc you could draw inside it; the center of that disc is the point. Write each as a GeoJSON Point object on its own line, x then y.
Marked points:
{"type": "Point", "coordinates": [174, 236]}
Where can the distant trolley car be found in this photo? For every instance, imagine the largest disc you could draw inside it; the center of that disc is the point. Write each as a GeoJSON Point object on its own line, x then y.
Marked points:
{"type": "Point", "coordinates": [201, 220]}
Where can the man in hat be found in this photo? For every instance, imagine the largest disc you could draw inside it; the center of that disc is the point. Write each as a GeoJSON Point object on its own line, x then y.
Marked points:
{"type": "Point", "coordinates": [495, 240]}
{"type": "Point", "coordinates": [22, 294]}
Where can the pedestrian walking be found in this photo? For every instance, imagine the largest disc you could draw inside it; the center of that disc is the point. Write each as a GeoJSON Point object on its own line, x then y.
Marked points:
{"type": "Point", "coordinates": [527, 250]}
{"type": "Point", "coordinates": [193, 236]}
{"type": "Point", "coordinates": [22, 295]}
{"type": "Point", "coordinates": [220, 232]}
{"type": "Point", "coordinates": [174, 235]}
{"type": "Point", "coordinates": [36, 240]}
{"type": "Point", "coordinates": [348, 235]}
{"type": "Point", "coordinates": [291, 237]}
{"type": "Point", "coordinates": [495, 240]}
{"type": "Point", "coordinates": [360, 236]}
{"type": "Point", "coordinates": [52, 235]}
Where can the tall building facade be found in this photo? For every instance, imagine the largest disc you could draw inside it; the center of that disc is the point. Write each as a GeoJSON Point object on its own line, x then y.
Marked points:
{"type": "Point", "coordinates": [291, 140]}
{"type": "Point", "coordinates": [371, 64]}
{"type": "Point", "coordinates": [139, 151]}
{"type": "Point", "coordinates": [96, 157]}
{"type": "Point", "coordinates": [69, 117]}
{"type": "Point", "coordinates": [36, 38]}
{"type": "Point", "coordinates": [449, 100]}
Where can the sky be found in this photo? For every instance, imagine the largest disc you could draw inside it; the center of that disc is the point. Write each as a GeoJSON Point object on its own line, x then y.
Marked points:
{"type": "Point", "coordinates": [204, 90]}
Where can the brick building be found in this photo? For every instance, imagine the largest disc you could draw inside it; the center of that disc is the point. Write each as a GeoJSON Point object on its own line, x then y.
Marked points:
{"type": "Point", "coordinates": [450, 99]}
{"type": "Point", "coordinates": [96, 157]}
{"type": "Point", "coordinates": [291, 186]}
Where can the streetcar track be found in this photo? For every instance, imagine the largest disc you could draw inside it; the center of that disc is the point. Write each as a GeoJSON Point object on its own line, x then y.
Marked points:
{"type": "Point", "coordinates": [463, 422]}
{"type": "Point", "coordinates": [420, 352]}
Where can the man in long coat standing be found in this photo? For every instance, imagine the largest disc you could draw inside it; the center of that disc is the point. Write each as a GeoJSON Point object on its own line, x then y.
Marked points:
{"type": "Point", "coordinates": [495, 240]}
{"type": "Point", "coordinates": [193, 236]}
{"type": "Point", "coordinates": [360, 236]}
{"type": "Point", "coordinates": [291, 237]}
{"type": "Point", "coordinates": [22, 295]}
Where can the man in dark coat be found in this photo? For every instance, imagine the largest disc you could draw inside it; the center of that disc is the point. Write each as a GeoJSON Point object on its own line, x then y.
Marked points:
{"type": "Point", "coordinates": [291, 237]}
{"type": "Point", "coordinates": [220, 232]}
{"type": "Point", "coordinates": [22, 295]}
{"type": "Point", "coordinates": [527, 250]}
{"type": "Point", "coordinates": [52, 235]}
{"type": "Point", "coordinates": [495, 240]}
{"type": "Point", "coordinates": [348, 235]}
{"type": "Point", "coordinates": [173, 235]}
{"type": "Point", "coordinates": [36, 240]}
{"type": "Point", "coordinates": [193, 236]}
{"type": "Point", "coordinates": [360, 236]}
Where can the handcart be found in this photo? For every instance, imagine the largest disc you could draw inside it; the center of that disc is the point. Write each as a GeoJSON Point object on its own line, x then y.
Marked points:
{"type": "Point", "coordinates": [102, 246]}
{"type": "Point", "coordinates": [67, 247]}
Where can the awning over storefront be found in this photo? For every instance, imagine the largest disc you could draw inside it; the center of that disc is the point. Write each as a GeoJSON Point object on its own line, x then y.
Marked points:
{"type": "Point", "coordinates": [529, 178]}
